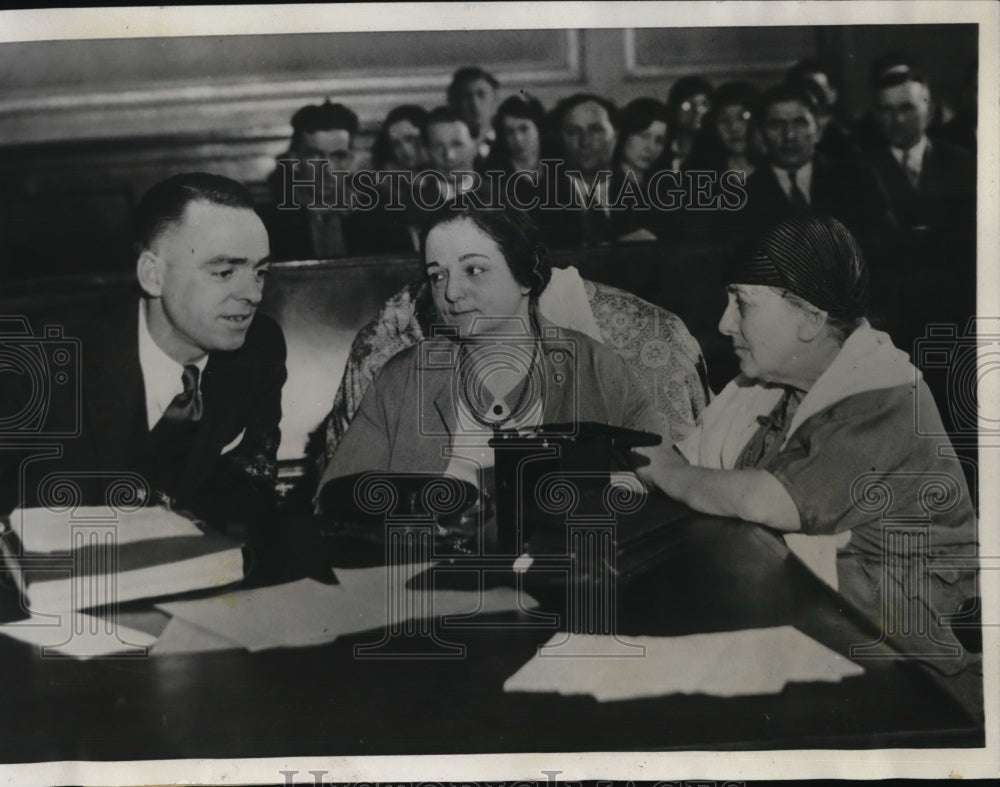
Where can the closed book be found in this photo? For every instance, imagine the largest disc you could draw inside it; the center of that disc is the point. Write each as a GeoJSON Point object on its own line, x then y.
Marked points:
{"type": "Point", "coordinates": [62, 565]}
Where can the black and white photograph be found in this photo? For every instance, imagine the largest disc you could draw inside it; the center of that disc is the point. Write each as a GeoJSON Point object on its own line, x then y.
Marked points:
{"type": "Point", "coordinates": [532, 392]}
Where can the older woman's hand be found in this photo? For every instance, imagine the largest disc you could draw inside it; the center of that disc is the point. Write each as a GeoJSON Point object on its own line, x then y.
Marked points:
{"type": "Point", "coordinates": [653, 462]}
{"type": "Point", "coordinates": [753, 495]}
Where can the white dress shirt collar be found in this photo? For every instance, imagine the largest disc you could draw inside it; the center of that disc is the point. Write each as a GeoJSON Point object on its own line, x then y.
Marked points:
{"type": "Point", "coordinates": [914, 153]}
{"type": "Point", "coordinates": [803, 177]}
{"type": "Point", "coordinates": [162, 376]}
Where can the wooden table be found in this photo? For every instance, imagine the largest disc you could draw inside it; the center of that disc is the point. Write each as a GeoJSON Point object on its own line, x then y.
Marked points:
{"type": "Point", "coordinates": [322, 701]}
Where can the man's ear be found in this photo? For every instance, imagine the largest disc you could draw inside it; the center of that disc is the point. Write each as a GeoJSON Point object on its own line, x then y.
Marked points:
{"type": "Point", "coordinates": [811, 324]}
{"type": "Point", "coordinates": [149, 271]}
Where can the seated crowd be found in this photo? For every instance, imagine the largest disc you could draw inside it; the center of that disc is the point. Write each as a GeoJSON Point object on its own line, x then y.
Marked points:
{"type": "Point", "coordinates": [730, 159]}
{"type": "Point", "coordinates": [182, 380]}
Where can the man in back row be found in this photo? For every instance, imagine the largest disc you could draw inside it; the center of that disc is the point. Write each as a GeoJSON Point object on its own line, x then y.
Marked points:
{"type": "Point", "coordinates": [798, 180]}
{"type": "Point", "coordinates": [180, 385]}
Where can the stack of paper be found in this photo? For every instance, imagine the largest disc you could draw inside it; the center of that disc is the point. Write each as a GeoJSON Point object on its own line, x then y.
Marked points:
{"type": "Point", "coordinates": [307, 612]}
{"type": "Point", "coordinates": [722, 664]}
{"type": "Point", "coordinates": [98, 557]}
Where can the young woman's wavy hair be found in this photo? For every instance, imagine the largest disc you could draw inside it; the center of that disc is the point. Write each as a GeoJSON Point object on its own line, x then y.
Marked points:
{"type": "Point", "coordinates": [513, 231]}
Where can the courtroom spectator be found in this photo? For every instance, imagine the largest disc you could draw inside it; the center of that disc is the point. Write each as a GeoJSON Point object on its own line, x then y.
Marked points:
{"type": "Point", "coordinates": [797, 179]}
{"type": "Point", "coordinates": [688, 102]}
{"type": "Point", "coordinates": [473, 95]}
{"type": "Point", "coordinates": [814, 71]}
{"type": "Point", "coordinates": [929, 183]}
{"type": "Point", "coordinates": [451, 149]}
{"type": "Point", "coordinates": [961, 129]}
{"type": "Point", "coordinates": [725, 155]}
{"type": "Point", "coordinates": [452, 174]}
{"type": "Point", "coordinates": [398, 155]}
{"type": "Point", "coordinates": [829, 434]}
{"type": "Point", "coordinates": [399, 144]}
{"type": "Point", "coordinates": [642, 138]}
{"type": "Point", "coordinates": [867, 131]}
{"type": "Point", "coordinates": [835, 139]}
{"type": "Point", "coordinates": [522, 142]}
{"type": "Point", "coordinates": [179, 384]}
{"type": "Point", "coordinates": [522, 136]}
{"type": "Point", "coordinates": [580, 212]}
{"type": "Point", "coordinates": [310, 214]}
{"type": "Point", "coordinates": [727, 144]}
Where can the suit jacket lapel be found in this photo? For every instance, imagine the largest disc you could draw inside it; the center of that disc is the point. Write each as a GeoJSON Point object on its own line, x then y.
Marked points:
{"type": "Point", "coordinates": [771, 191]}
{"type": "Point", "coordinates": [114, 394]}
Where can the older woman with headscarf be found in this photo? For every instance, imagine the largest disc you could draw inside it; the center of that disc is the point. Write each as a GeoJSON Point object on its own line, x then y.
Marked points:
{"type": "Point", "coordinates": [831, 436]}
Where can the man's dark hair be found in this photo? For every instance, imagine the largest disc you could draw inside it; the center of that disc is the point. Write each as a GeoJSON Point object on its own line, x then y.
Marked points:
{"type": "Point", "coordinates": [897, 78]}
{"type": "Point", "coordinates": [735, 94]}
{"type": "Point", "coordinates": [465, 75]}
{"type": "Point", "coordinates": [442, 114]}
{"type": "Point", "coordinates": [893, 61]}
{"type": "Point", "coordinates": [787, 91]}
{"type": "Point", "coordinates": [323, 117]}
{"type": "Point", "coordinates": [818, 95]}
{"type": "Point", "coordinates": [381, 150]}
{"type": "Point", "coordinates": [805, 68]}
{"type": "Point", "coordinates": [525, 107]}
{"type": "Point", "coordinates": [570, 103]}
{"type": "Point", "coordinates": [164, 204]}
{"type": "Point", "coordinates": [514, 233]}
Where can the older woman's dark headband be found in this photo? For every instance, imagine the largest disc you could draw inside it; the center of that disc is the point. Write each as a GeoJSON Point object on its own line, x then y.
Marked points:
{"type": "Point", "coordinates": [813, 257]}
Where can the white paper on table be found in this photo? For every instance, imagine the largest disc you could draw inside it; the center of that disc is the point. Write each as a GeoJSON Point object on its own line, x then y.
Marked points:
{"type": "Point", "coordinates": [300, 613]}
{"type": "Point", "coordinates": [722, 664]}
{"type": "Point", "coordinates": [181, 637]}
{"type": "Point", "coordinates": [307, 612]}
{"type": "Point", "coordinates": [373, 584]}
{"type": "Point", "coordinates": [79, 635]}
{"type": "Point", "coordinates": [819, 553]}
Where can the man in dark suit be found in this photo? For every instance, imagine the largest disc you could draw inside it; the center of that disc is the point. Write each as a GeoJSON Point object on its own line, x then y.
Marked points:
{"type": "Point", "coordinates": [315, 212]}
{"type": "Point", "coordinates": [796, 179]}
{"type": "Point", "coordinates": [577, 206]}
{"type": "Point", "coordinates": [473, 95]}
{"type": "Point", "coordinates": [455, 171]}
{"type": "Point", "coordinates": [929, 183]}
{"type": "Point", "coordinates": [180, 389]}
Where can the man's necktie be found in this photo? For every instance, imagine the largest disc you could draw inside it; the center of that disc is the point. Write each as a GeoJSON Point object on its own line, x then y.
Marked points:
{"type": "Point", "coordinates": [187, 405]}
{"type": "Point", "coordinates": [911, 166]}
{"type": "Point", "coordinates": [795, 193]}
